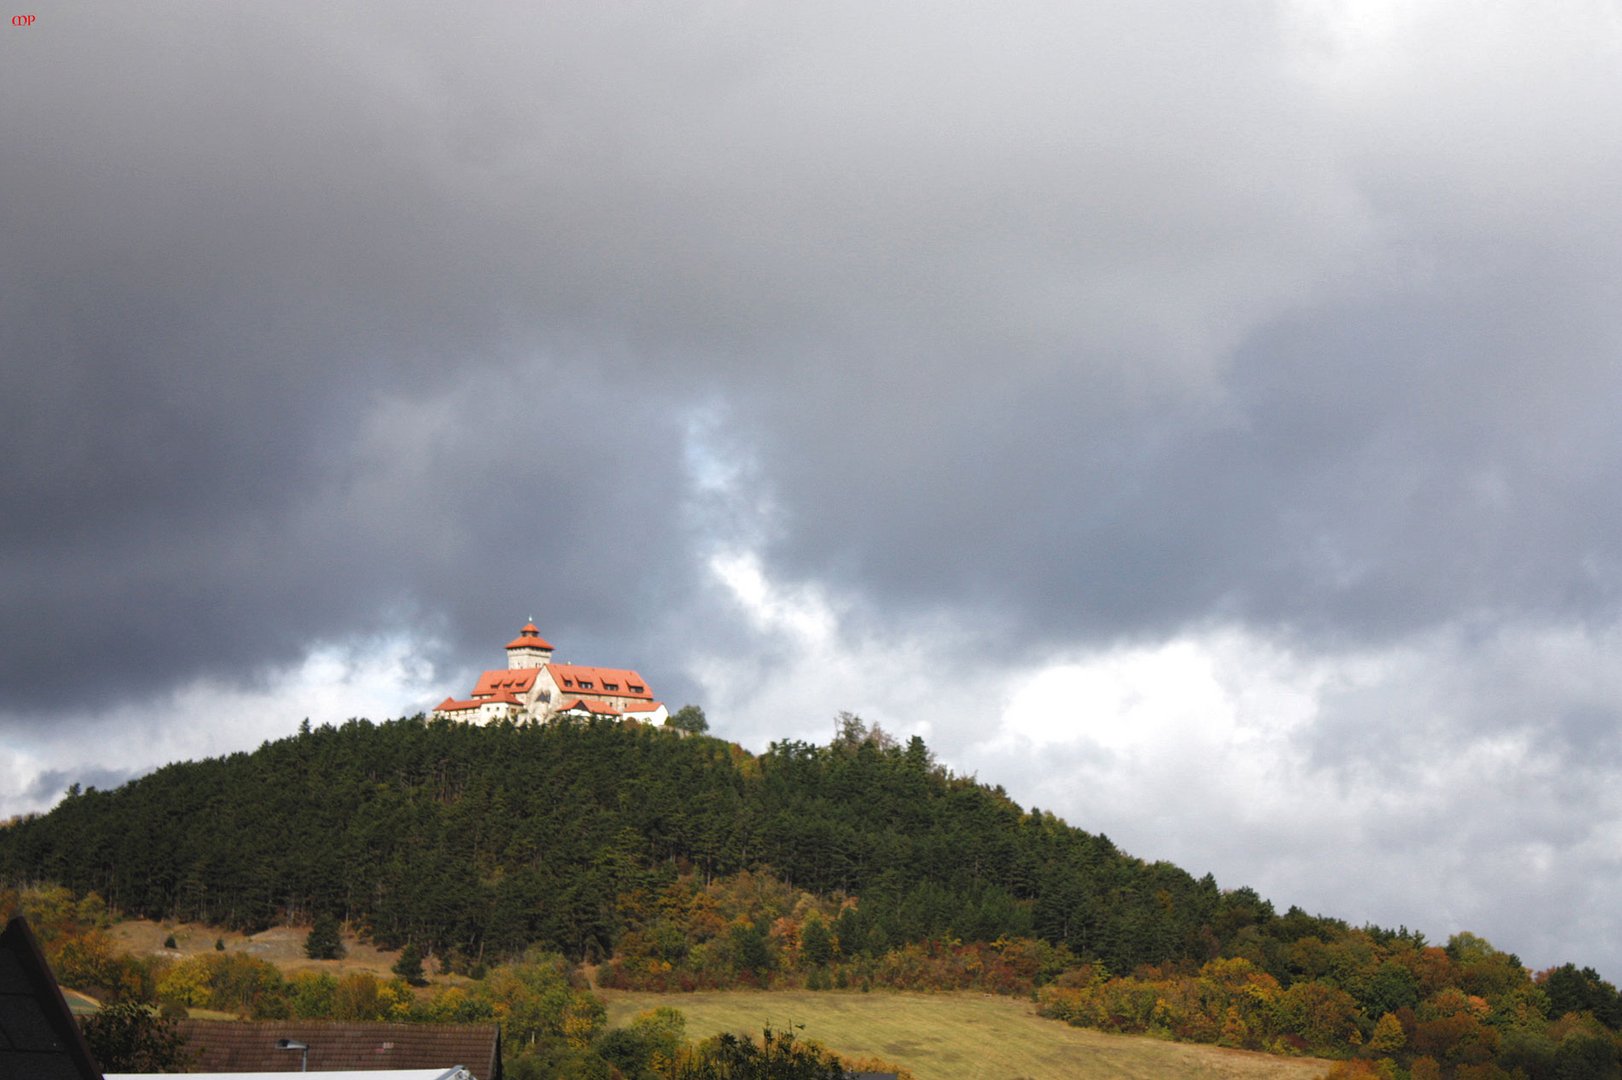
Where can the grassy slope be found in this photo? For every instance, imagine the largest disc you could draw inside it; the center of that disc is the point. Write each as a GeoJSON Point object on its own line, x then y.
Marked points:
{"type": "Point", "coordinates": [280, 945]}
{"type": "Point", "coordinates": [959, 1036]}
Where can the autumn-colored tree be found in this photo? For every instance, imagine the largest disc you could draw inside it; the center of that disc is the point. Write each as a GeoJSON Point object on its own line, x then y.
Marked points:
{"type": "Point", "coordinates": [1482, 1071]}
{"type": "Point", "coordinates": [1424, 1068]}
{"type": "Point", "coordinates": [536, 1005]}
{"type": "Point", "coordinates": [129, 1037]}
{"type": "Point", "coordinates": [1432, 968]}
{"type": "Point", "coordinates": [1483, 970]}
{"type": "Point", "coordinates": [187, 983]}
{"type": "Point", "coordinates": [649, 1046]}
{"type": "Point", "coordinates": [86, 961]}
{"type": "Point", "coordinates": [1457, 1038]}
{"type": "Point", "coordinates": [243, 984]}
{"type": "Point", "coordinates": [312, 995]}
{"type": "Point", "coordinates": [1325, 1017]}
{"type": "Point", "coordinates": [784, 935]}
{"type": "Point", "coordinates": [778, 1056]}
{"type": "Point", "coordinates": [53, 911]}
{"type": "Point", "coordinates": [1355, 1069]}
{"type": "Point", "coordinates": [1388, 1037]}
{"type": "Point", "coordinates": [360, 995]}
{"type": "Point", "coordinates": [872, 1064]}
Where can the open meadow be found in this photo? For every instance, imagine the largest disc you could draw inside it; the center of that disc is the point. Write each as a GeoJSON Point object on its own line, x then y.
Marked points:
{"type": "Point", "coordinates": [958, 1036]}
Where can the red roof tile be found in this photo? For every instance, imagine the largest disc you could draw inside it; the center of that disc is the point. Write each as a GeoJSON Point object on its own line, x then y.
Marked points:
{"type": "Point", "coordinates": [452, 705]}
{"type": "Point", "coordinates": [620, 682]}
{"type": "Point", "coordinates": [596, 708]}
{"type": "Point", "coordinates": [508, 681]}
{"type": "Point", "coordinates": [529, 638]}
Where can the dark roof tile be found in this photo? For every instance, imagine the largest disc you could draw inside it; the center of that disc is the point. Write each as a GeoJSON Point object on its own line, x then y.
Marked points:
{"type": "Point", "coordinates": [250, 1046]}
{"type": "Point", "coordinates": [39, 1039]}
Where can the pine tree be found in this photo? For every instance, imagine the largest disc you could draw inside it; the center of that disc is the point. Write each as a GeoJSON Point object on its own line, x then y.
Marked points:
{"type": "Point", "coordinates": [409, 966]}
{"type": "Point", "coordinates": [324, 942]}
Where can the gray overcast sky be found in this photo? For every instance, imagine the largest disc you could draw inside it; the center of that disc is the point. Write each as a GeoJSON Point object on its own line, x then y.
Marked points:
{"type": "Point", "coordinates": [1199, 419]}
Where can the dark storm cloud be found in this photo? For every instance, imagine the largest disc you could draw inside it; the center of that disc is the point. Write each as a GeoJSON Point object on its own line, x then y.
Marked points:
{"type": "Point", "coordinates": [272, 378]}
{"type": "Point", "coordinates": [1090, 322]}
{"type": "Point", "coordinates": [1368, 473]}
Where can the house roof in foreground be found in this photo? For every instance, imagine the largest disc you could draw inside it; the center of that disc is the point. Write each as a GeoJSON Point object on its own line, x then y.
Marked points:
{"type": "Point", "coordinates": [238, 1046]}
{"type": "Point", "coordinates": [38, 1036]}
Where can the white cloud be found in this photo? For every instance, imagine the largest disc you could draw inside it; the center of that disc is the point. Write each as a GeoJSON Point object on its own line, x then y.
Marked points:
{"type": "Point", "coordinates": [1401, 785]}
{"type": "Point", "coordinates": [209, 717]}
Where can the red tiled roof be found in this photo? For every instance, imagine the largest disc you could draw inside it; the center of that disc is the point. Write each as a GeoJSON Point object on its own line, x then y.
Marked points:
{"type": "Point", "coordinates": [596, 708]}
{"type": "Point", "coordinates": [620, 682]}
{"type": "Point", "coordinates": [250, 1046]}
{"type": "Point", "coordinates": [529, 638]}
{"type": "Point", "coordinates": [643, 706]}
{"type": "Point", "coordinates": [505, 681]}
{"type": "Point", "coordinates": [452, 705]}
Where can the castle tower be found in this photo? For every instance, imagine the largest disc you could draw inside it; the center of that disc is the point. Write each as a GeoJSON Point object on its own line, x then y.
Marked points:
{"type": "Point", "coordinates": [529, 649]}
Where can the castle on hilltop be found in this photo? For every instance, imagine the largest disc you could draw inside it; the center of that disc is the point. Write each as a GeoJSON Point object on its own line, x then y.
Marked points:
{"type": "Point", "coordinates": [534, 687]}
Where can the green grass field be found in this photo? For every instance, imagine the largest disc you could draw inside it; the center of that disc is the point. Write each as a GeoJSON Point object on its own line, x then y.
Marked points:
{"type": "Point", "coordinates": [958, 1036]}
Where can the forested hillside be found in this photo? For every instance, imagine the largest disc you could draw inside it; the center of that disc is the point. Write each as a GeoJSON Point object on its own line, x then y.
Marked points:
{"type": "Point", "coordinates": [484, 840]}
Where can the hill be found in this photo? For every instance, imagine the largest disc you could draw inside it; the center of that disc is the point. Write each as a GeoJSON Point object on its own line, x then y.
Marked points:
{"type": "Point", "coordinates": [480, 841]}
{"type": "Point", "coordinates": [685, 863]}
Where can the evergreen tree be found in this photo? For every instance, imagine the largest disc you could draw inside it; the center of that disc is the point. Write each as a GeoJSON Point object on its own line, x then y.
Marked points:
{"type": "Point", "coordinates": [409, 965]}
{"type": "Point", "coordinates": [816, 945]}
{"type": "Point", "coordinates": [325, 941]}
